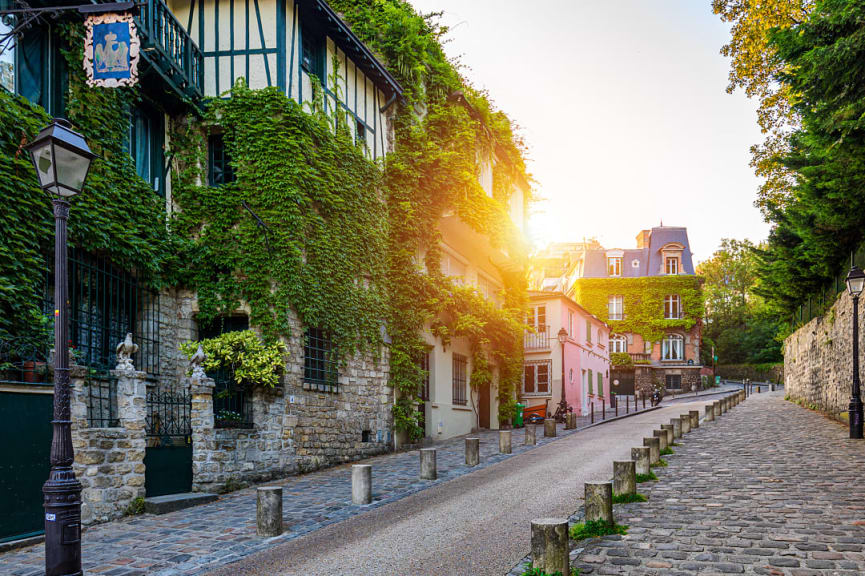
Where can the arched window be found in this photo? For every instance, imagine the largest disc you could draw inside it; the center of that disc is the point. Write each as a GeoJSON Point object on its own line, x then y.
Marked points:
{"type": "Point", "coordinates": [618, 343]}
{"type": "Point", "coordinates": [673, 347]}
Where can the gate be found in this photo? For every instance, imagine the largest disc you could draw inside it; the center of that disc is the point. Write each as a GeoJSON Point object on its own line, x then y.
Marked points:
{"type": "Point", "coordinates": [626, 382]}
{"type": "Point", "coordinates": [168, 455]}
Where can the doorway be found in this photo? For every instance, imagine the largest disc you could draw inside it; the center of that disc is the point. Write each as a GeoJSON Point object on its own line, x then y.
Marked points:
{"type": "Point", "coordinates": [484, 406]}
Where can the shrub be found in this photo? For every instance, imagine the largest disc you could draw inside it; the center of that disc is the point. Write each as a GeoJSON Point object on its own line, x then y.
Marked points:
{"type": "Point", "coordinates": [628, 498]}
{"type": "Point", "coordinates": [596, 529]}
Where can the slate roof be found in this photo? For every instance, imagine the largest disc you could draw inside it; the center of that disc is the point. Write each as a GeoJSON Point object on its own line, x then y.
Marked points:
{"type": "Point", "coordinates": [649, 258]}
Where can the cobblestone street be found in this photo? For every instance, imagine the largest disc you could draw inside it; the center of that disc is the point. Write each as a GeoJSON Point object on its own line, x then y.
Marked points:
{"type": "Point", "coordinates": [195, 540]}
{"type": "Point", "coordinates": [770, 489]}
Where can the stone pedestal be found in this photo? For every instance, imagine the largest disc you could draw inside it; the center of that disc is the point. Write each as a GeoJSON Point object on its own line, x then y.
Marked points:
{"type": "Point", "coordinates": [625, 477]}
{"type": "Point", "coordinates": [662, 436]}
{"type": "Point", "coordinates": [473, 451]}
{"type": "Point", "coordinates": [695, 418]}
{"type": "Point", "coordinates": [685, 423]}
{"type": "Point", "coordinates": [710, 413]}
{"type": "Point", "coordinates": [361, 484]}
{"type": "Point", "coordinates": [640, 456]}
{"type": "Point", "coordinates": [549, 428]}
{"type": "Point", "coordinates": [550, 550]}
{"type": "Point", "coordinates": [268, 511]}
{"type": "Point", "coordinates": [428, 464]}
{"type": "Point", "coordinates": [677, 427]}
{"type": "Point", "coordinates": [599, 501]}
{"type": "Point", "coordinates": [716, 407]}
{"type": "Point", "coordinates": [531, 434]}
{"type": "Point", "coordinates": [671, 437]}
{"type": "Point", "coordinates": [504, 441]}
{"type": "Point", "coordinates": [654, 445]}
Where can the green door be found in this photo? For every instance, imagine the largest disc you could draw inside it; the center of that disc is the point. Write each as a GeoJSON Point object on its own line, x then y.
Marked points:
{"type": "Point", "coordinates": [24, 462]}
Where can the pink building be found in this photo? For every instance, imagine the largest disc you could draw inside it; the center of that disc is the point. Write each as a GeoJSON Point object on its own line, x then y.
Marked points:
{"type": "Point", "coordinates": [586, 368]}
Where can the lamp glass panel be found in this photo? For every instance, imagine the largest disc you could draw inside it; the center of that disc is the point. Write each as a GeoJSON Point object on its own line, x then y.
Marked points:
{"type": "Point", "coordinates": [71, 171]}
{"type": "Point", "coordinates": [44, 162]}
{"type": "Point", "coordinates": [856, 284]}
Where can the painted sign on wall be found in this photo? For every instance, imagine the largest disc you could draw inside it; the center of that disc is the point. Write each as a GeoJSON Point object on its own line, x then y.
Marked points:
{"type": "Point", "coordinates": [111, 50]}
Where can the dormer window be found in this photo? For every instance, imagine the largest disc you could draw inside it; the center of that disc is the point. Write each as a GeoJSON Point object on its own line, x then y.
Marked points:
{"type": "Point", "coordinates": [614, 266]}
{"type": "Point", "coordinates": [672, 265]}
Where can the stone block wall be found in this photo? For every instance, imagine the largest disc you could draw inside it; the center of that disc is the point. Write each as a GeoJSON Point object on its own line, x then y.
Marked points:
{"type": "Point", "coordinates": [818, 359]}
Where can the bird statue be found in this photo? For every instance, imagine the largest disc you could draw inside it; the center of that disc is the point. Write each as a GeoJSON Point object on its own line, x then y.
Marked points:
{"type": "Point", "coordinates": [125, 350]}
{"type": "Point", "coordinates": [196, 362]}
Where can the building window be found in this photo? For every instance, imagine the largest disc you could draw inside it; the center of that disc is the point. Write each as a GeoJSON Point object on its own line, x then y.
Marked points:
{"type": "Point", "coordinates": [460, 379]}
{"type": "Point", "coordinates": [312, 57]}
{"type": "Point", "coordinates": [537, 317]}
{"type": "Point", "coordinates": [616, 307]}
{"type": "Point", "coordinates": [672, 265]}
{"type": "Point", "coordinates": [536, 378]}
{"type": "Point", "coordinates": [618, 344]}
{"type": "Point", "coordinates": [591, 383]}
{"type": "Point", "coordinates": [320, 364]}
{"type": "Point", "coordinates": [360, 134]}
{"type": "Point", "coordinates": [672, 307]}
{"type": "Point", "coordinates": [424, 383]}
{"type": "Point", "coordinates": [589, 331]}
{"type": "Point", "coordinates": [145, 146]}
{"type": "Point", "coordinates": [7, 56]}
{"type": "Point", "coordinates": [219, 169]}
{"type": "Point", "coordinates": [600, 385]}
{"type": "Point", "coordinates": [614, 266]}
{"type": "Point", "coordinates": [672, 347]}
{"type": "Point", "coordinates": [232, 403]}
{"type": "Point", "coordinates": [673, 381]}
{"type": "Point", "coordinates": [453, 268]}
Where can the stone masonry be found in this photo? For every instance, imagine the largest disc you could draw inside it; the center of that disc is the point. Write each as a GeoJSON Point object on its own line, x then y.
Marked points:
{"type": "Point", "coordinates": [818, 359]}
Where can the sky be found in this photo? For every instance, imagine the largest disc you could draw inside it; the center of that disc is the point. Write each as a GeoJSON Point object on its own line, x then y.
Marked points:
{"type": "Point", "coordinates": [622, 104]}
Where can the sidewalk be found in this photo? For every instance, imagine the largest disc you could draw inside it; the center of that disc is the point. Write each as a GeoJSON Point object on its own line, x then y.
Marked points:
{"type": "Point", "coordinates": [199, 539]}
{"type": "Point", "coordinates": [771, 488]}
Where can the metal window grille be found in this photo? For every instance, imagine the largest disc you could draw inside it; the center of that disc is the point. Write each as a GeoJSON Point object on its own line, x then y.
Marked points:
{"type": "Point", "coordinates": [168, 421]}
{"type": "Point", "coordinates": [460, 378]}
{"type": "Point", "coordinates": [320, 362]}
{"type": "Point", "coordinates": [232, 404]}
{"type": "Point", "coordinates": [219, 166]}
{"type": "Point", "coordinates": [673, 381]}
{"type": "Point", "coordinates": [102, 402]}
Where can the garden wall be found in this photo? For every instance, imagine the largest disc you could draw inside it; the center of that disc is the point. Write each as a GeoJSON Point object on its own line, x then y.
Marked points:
{"type": "Point", "coordinates": [754, 372]}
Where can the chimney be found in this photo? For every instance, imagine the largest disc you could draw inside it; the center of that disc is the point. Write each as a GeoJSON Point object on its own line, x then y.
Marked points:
{"type": "Point", "coordinates": [643, 238]}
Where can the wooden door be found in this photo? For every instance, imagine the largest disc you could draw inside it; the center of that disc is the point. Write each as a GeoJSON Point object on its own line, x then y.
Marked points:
{"type": "Point", "coordinates": [484, 407]}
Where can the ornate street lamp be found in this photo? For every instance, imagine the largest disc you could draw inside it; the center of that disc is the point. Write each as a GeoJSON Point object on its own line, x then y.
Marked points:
{"type": "Point", "coordinates": [62, 160]}
{"type": "Point", "coordinates": [563, 337]}
{"type": "Point", "coordinates": [855, 283]}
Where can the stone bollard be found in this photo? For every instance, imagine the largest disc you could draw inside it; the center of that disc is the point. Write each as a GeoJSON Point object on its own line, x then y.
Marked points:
{"type": "Point", "coordinates": [654, 445]}
{"type": "Point", "coordinates": [716, 407]}
{"type": "Point", "coordinates": [549, 428]}
{"type": "Point", "coordinates": [710, 413]}
{"type": "Point", "coordinates": [531, 435]}
{"type": "Point", "coordinates": [695, 418]}
{"type": "Point", "coordinates": [473, 451]}
{"type": "Point", "coordinates": [428, 464]}
{"type": "Point", "coordinates": [662, 436]}
{"type": "Point", "coordinates": [504, 441]}
{"type": "Point", "coordinates": [573, 418]}
{"type": "Point", "coordinates": [677, 427]}
{"type": "Point", "coordinates": [685, 420]}
{"type": "Point", "coordinates": [625, 477]}
{"type": "Point", "coordinates": [268, 511]}
{"type": "Point", "coordinates": [550, 548]}
{"type": "Point", "coordinates": [671, 436]}
{"type": "Point", "coordinates": [599, 502]}
{"type": "Point", "coordinates": [361, 484]}
{"type": "Point", "coordinates": [641, 457]}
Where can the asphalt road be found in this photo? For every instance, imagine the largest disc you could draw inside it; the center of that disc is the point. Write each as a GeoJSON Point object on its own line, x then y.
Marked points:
{"type": "Point", "coordinates": [474, 525]}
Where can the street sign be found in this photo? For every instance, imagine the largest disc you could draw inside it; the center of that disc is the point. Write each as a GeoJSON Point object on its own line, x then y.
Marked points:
{"type": "Point", "coordinates": [111, 50]}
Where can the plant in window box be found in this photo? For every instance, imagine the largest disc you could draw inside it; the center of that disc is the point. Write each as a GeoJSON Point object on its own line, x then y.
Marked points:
{"type": "Point", "coordinates": [249, 360]}
{"type": "Point", "coordinates": [621, 360]}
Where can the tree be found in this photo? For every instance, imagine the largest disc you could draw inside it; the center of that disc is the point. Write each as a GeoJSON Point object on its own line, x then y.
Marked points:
{"type": "Point", "coordinates": [754, 68]}
{"type": "Point", "coordinates": [739, 323]}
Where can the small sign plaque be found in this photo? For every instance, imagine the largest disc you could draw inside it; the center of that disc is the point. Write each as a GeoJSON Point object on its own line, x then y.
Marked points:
{"type": "Point", "coordinates": [50, 517]}
{"type": "Point", "coordinates": [111, 50]}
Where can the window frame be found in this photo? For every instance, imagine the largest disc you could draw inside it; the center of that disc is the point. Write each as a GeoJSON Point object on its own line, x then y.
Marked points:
{"type": "Point", "coordinates": [618, 344]}
{"type": "Point", "coordinates": [674, 269]}
{"type": "Point", "coordinates": [216, 142]}
{"type": "Point", "coordinates": [673, 343]}
{"type": "Point", "coordinates": [459, 380]}
{"type": "Point", "coordinates": [588, 331]}
{"type": "Point", "coordinates": [616, 301]}
{"type": "Point", "coordinates": [320, 361]}
{"type": "Point", "coordinates": [672, 307]}
{"type": "Point", "coordinates": [614, 266]}
{"type": "Point", "coordinates": [535, 365]}
{"type": "Point", "coordinates": [314, 42]}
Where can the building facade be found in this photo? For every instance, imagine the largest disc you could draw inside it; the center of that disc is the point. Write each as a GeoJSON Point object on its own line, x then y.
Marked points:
{"type": "Point", "coordinates": [585, 353]}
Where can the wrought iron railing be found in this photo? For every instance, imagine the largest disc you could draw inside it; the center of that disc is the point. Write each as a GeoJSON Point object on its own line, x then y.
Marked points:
{"type": "Point", "coordinates": [232, 404]}
{"type": "Point", "coordinates": [537, 340]}
{"type": "Point", "coordinates": [168, 419]}
{"type": "Point", "coordinates": [24, 362]}
{"type": "Point", "coordinates": [170, 49]}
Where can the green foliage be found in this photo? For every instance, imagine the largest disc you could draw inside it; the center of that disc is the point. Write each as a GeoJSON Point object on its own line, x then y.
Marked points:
{"type": "Point", "coordinates": [117, 214]}
{"type": "Point", "coordinates": [628, 498]}
{"type": "Point", "coordinates": [650, 477]}
{"type": "Point", "coordinates": [643, 302]}
{"type": "Point", "coordinates": [659, 464]}
{"type": "Point", "coordinates": [531, 571]}
{"type": "Point", "coordinates": [666, 451]}
{"type": "Point", "coordinates": [596, 529]}
{"type": "Point", "coordinates": [135, 507]}
{"type": "Point", "coordinates": [621, 360]}
{"type": "Point", "coordinates": [250, 361]}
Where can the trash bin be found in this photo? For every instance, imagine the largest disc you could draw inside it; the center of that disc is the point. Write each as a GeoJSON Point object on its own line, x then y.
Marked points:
{"type": "Point", "coordinates": [518, 417]}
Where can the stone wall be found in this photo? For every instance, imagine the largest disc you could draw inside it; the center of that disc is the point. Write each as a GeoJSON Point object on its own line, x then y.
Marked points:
{"type": "Point", "coordinates": [753, 372]}
{"type": "Point", "coordinates": [818, 360]}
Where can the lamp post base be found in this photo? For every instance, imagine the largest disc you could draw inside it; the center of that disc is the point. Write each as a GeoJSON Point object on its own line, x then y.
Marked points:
{"type": "Point", "coordinates": [856, 417]}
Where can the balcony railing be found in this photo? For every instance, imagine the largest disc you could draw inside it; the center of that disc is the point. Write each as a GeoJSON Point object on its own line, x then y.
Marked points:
{"type": "Point", "coordinates": [539, 340]}
{"type": "Point", "coordinates": [640, 357]}
{"type": "Point", "coordinates": [168, 48]}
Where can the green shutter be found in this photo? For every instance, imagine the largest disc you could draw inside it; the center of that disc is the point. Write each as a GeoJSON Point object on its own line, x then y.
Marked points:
{"type": "Point", "coordinates": [591, 384]}
{"type": "Point", "coordinates": [600, 384]}
{"type": "Point", "coordinates": [588, 330]}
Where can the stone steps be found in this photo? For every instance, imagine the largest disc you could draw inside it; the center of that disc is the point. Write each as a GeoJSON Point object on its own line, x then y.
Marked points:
{"type": "Point", "coordinates": [173, 502]}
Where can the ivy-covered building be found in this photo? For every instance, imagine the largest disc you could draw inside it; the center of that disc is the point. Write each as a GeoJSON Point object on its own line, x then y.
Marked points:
{"type": "Point", "coordinates": [650, 297]}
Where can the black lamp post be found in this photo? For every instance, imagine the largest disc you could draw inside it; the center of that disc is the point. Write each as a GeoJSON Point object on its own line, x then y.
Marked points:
{"type": "Point", "coordinates": [62, 160]}
{"type": "Point", "coordinates": [563, 337]}
{"type": "Point", "coordinates": [855, 283]}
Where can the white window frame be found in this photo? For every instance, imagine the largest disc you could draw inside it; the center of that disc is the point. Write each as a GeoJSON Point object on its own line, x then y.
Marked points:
{"type": "Point", "coordinates": [614, 266]}
{"type": "Point", "coordinates": [673, 348]}
{"type": "Point", "coordinates": [616, 307]}
{"type": "Point", "coordinates": [671, 265]}
{"type": "Point", "coordinates": [548, 364]}
{"type": "Point", "coordinates": [618, 344]}
{"type": "Point", "coordinates": [672, 307]}
{"type": "Point", "coordinates": [532, 317]}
